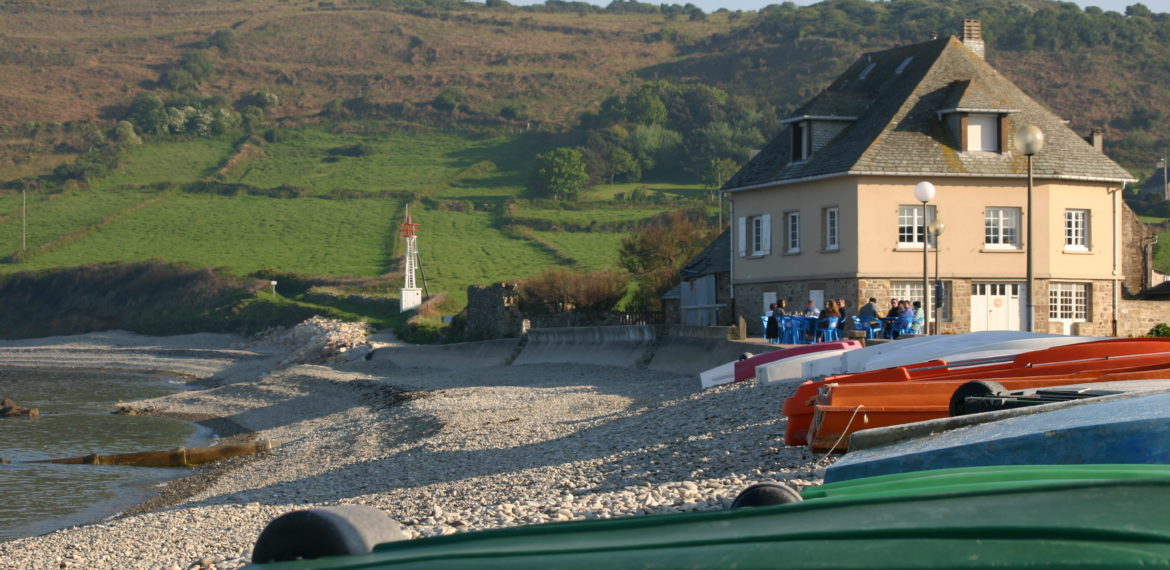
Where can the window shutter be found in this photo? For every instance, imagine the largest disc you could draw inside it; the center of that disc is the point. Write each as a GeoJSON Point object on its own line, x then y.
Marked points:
{"type": "Point", "coordinates": [766, 231]}
{"type": "Point", "coordinates": [742, 237]}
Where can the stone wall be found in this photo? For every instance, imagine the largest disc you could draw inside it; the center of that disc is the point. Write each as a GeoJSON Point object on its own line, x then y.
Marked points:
{"type": "Point", "coordinates": [1138, 317]}
{"type": "Point", "coordinates": [492, 312]}
{"type": "Point", "coordinates": [1134, 263]}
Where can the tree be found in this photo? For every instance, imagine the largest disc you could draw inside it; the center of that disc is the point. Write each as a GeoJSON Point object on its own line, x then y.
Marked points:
{"type": "Point", "coordinates": [656, 252]}
{"type": "Point", "coordinates": [558, 172]}
{"type": "Point", "coordinates": [450, 99]}
{"type": "Point", "coordinates": [148, 114]}
{"type": "Point", "coordinates": [124, 133]}
{"type": "Point", "coordinates": [717, 171]}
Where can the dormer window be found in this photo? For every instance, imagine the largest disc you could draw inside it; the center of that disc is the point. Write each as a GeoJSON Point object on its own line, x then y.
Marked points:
{"type": "Point", "coordinates": [978, 129]}
{"type": "Point", "coordinates": [981, 133]}
{"type": "Point", "coordinates": [801, 141]}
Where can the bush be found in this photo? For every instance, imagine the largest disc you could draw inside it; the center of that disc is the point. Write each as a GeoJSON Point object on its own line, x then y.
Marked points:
{"type": "Point", "coordinates": [1160, 330]}
{"type": "Point", "coordinates": [560, 290]}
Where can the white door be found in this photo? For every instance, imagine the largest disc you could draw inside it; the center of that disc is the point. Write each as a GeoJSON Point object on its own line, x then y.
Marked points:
{"type": "Point", "coordinates": [996, 306]}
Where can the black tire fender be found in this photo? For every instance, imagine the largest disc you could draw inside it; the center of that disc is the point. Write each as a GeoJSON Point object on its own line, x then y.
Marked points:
{"type": "Point", "coordinates": [958, 404]}
{"type": "Point", "coordinates": [766, 494]}
{"type": "Point", "coordinates": [328, 531]}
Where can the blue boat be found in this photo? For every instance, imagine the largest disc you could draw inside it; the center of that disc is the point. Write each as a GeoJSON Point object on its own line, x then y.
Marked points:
{"type": "Point", "coordinates": [1120, 429]}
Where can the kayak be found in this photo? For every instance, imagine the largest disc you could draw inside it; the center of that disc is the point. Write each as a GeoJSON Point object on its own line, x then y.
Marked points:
{"type": "Point", "coordinates": [1103, 516]}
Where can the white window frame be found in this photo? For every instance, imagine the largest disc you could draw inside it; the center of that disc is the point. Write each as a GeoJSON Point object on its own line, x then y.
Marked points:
{"type": "Point", "coordinates": [832, 229]}
{"type": "Point", "coordinates": [997, 221]}
{"type": "Point", "coordinates": [801, 141]}
{"type": "Point", "coordinates": [908, 290]}
{"type": "Point", "coordinates": [912, 226]}
{"type": "Point", "coordinates": [792, 232]}
{"type": "Point", "coordinates": [1077, 229]}
{"type": "Point", "coordinates": [982, 133]}
{"type": "Point", "coordinates": [1068, 302]}
{"type": "Point", "coordinates": [755, 235]}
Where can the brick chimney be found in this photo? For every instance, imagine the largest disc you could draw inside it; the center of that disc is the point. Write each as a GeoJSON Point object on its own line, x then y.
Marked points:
{"type": "Point", "coordinates": [1097, 139]}
{"type": "Point", "coordinates": [973, 36]}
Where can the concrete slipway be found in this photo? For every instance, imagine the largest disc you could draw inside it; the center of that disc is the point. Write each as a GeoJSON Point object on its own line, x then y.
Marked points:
{"type": "Point", "coordinates": [636, 346]}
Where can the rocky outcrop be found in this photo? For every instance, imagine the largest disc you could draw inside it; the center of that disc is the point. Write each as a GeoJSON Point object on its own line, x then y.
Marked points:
{"type": "Point", "coordinates": [323, 340]}
{"type": "Point", "coordinates": [9, 409]}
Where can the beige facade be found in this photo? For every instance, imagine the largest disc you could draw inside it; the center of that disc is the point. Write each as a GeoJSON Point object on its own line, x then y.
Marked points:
{"type": "Point", "coordinates": [871, 258]}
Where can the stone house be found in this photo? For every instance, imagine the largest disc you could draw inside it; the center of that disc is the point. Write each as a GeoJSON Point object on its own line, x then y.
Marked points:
{"type": "Point", "coordinates": [828, 208]}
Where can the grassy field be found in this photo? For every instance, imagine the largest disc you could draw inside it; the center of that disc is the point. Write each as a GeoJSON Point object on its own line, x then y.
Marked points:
{"type": "Point", "coordinates": [242, 234]}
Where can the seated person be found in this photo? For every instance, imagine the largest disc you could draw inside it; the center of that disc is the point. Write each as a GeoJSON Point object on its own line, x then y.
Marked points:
{"type": "Point", "coordinates": [919, 318]}
{"type": "Point", "coordinates": [811, 310]}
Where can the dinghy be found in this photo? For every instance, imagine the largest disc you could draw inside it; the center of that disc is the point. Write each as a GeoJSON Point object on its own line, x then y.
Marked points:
{"type": "Point", "coordinates": [746, 369]}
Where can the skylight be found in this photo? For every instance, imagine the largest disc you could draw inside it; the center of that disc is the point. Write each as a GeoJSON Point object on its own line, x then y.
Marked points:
{"type": "Point", "coordinates": [866, 71]}
{"type": "Point", "coordinates": [902, 66]}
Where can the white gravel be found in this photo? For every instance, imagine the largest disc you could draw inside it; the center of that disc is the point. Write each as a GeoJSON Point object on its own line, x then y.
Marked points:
{"type": "Point", "coordinates": [440, 451]}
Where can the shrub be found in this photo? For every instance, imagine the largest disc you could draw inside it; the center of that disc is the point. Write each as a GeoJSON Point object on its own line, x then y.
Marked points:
{"type": "Point", "coordinates": [560, 290]}
{"type": "Point", "coordinates": [1160, 329]}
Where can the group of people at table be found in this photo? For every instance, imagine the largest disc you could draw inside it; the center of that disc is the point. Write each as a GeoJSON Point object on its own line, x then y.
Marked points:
{"type": "Point", "coordinates": [902, 317]}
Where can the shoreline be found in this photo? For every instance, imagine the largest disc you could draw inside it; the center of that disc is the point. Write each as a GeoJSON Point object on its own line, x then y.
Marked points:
{"type": "Point", "coordinates": [442, 451]}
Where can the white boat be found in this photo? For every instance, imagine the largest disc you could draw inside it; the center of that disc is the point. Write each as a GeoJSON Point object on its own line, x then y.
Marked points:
{"type": "Point", "coordinates": [792, 369]}
{"type": "Point", "coordinates": [722, 374]}
{"type": "Point", "coordinates": [952, 348]}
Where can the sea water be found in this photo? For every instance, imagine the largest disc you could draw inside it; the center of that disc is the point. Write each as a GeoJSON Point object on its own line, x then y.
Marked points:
{"type": "Point", "coordinates": [76, 420]}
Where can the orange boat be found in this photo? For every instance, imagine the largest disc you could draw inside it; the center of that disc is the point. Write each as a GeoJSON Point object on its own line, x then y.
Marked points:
{"type": "Point", "coordinates": [1061, 360]}
{"type": "Point", "coordinates": [842, 409]}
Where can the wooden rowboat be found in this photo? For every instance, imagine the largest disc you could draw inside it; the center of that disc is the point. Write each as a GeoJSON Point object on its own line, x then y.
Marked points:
{"type": "Point", "coordinates": [178, 457]}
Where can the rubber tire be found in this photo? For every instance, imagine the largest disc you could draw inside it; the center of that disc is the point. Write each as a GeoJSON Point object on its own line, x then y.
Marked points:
{"type": "Point", "coordinates": [765, 495]}
{"type": "Point", "coordinates": [329, 531]}
{"type": "Point", "coordinates": [745, 356]}
{"type": "Point", "coordinates": [958, 404]}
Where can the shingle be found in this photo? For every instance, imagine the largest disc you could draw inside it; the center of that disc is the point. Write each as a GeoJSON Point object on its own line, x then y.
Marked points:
{"type": "Point", "coordinates": [899, 131]}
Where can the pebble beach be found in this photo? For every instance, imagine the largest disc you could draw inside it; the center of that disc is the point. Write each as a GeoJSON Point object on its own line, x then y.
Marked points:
{"type": "Point", "coordinates": [440, 451]}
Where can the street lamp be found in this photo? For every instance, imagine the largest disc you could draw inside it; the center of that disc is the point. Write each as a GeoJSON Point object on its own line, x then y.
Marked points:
{"type": "Point", "coordinates": [1029, 141]}
{"type": "Point", "coordinates": [924, 192]}
{"type": "Point", "coordinates": [1165, 183]}
{"type": "Point", "coordinates": [936, 228]}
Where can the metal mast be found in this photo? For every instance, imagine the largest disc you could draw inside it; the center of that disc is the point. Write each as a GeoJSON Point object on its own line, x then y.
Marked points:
{"type": "Point", "coordinates": [411, 295]}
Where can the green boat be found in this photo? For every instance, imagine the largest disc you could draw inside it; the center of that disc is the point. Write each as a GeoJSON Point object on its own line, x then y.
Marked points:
{"type": "Point", "coordinates": [1086, 516]}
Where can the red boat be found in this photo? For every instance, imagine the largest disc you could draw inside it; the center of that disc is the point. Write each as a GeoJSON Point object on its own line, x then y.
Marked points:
{"type": "Point", "coordinates": [914, 402]}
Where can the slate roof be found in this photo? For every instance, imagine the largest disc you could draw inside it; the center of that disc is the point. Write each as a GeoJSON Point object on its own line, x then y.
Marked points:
{"type": "Point", "coordinates": [715, 258]}
{"type": "Point", "coordinates": [899, 131]}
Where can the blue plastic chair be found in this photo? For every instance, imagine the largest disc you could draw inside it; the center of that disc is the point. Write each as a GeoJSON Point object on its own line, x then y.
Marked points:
{"type": "Point", "coordinates": [827, 329]}
{"type": "Point", "coordinates": [792, 330]}
{"type": "Point", "coordinates": [870, 329]}
{"type": "Point", "coordinates": [901, 327]}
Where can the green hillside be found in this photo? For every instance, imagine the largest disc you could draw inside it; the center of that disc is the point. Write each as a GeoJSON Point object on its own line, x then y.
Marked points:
{"type": "Point", "coordinates": [238, 135]}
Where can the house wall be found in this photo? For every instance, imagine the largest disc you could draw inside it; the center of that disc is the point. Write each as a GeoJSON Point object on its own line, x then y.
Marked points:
{"type": "Point", "coordinates": [960, 205]}
{"type": "Point", "coordinates": [869, 258]}
{"type": "Point", "coordinates": [810, 200]}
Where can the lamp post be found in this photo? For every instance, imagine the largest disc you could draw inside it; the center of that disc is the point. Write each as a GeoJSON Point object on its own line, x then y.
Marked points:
{"type": "Point", "coordinates": [924, 192]}
{"type": "Point", "coordinates": [936, 228]}
{"type": "Point", "coordinates": [1165, 182]}
{"type": "Point", "coordinates": [1029, 141]}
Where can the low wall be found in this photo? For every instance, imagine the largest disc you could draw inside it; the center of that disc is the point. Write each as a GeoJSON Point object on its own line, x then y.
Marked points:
{"type": "Point", "coordinates": [1138, 317]}
{"type": "Point", "coordinates": [459, 356]}
{"type": "Point", "coordinates": [690, 356]}
{"type": "Point", "coordinates": [625, 346]}
{"type": "Point", "coordinates": [634, 346]}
